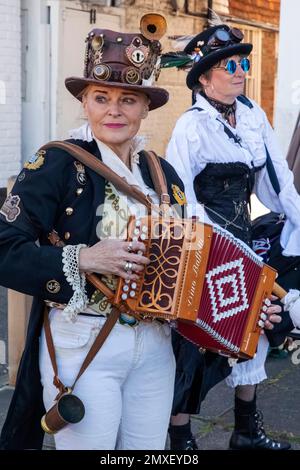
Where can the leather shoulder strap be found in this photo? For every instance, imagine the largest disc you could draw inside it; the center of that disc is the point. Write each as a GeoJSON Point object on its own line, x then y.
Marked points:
{"type": "Point", "coordinates": [100, 168]}
{"type": "Point", "coordinates": [243, 99]}
{"type": "Point", "coordinates": [158, 177]}
{"type": "Point", "coordinates": [96, 346]}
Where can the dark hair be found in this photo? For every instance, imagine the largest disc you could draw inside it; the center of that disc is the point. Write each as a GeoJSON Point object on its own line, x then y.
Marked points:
{"type": "Point", "coordinates": [199, 87]}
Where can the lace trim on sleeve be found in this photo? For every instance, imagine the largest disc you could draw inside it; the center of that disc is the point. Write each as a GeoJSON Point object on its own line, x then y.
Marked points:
{"type": "Point", "coordinates": [79, 300]}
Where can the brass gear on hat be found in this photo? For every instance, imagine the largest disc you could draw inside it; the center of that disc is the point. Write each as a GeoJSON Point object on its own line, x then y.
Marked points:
{"type": "Point", "coordinates": [131, 75]}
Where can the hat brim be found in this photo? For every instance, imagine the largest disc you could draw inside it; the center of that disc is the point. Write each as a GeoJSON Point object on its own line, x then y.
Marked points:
{"type": "Point", "coordinates": [157, 96]}
{"type": "Point", "coordinates": [206, 62]}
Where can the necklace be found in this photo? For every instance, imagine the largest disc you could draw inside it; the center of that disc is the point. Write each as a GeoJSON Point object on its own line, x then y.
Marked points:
{"type": "Point", "coordinates": [227, 110]}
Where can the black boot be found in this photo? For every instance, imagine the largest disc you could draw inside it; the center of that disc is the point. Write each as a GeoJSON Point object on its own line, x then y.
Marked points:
{"type": "Point", "coordinates": [181, 437]}
{"type": "Point", "coordinates": [248, 430]}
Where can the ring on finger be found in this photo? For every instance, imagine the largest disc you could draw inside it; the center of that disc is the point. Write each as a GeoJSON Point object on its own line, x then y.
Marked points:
{"type": "Point", "coordinates": [129, 248]}
{"type": "Point", "coordinates": [128, 266]}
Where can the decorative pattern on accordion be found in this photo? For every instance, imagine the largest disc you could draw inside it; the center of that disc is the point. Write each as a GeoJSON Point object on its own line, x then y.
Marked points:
{"type": "Point", "coordinates": [236, 283]}
{"type": "Point", "coordinates": [157, 291]}
{"type": "Point", "coordinates": [213, 284]}
{"type": "Point", "coordinates": [171, 284]}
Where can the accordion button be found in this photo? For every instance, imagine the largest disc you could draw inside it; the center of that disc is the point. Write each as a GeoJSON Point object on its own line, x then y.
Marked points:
{"type": "Point", "coordinates": [127, 281]}
{"type": "Point", "coordinates": [134, 285]}
{"type": "Point", "coordinates": [124, 296]}
{"type": "Point", "coordinates": [144, 228]}
{"type": "Point", "coordinates": [132, 293]}
{"type": "Point", "coordinates": [140, 252]}
{"type": "Point", "coordinates": [137, 223]}
{"type": "Point", "coordinates": [136, 231]}
{"type": "Point", "coordinates": [134, 239]}
{"type": "Point", "coordinates": [263, 316]}
{"type": "Point", "coordinates": [143, 236]}
{"type": "Point", "coordinates": [261, 323]}
{"type": "Point", "coordinates": [126, 288]}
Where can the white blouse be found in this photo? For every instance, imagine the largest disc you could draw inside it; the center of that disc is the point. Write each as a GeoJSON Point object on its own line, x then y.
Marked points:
{"type": "Point", "coordinates": [198, 138]}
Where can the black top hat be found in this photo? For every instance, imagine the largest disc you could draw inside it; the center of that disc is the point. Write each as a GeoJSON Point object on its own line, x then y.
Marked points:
{"type": "Point", "coordinates": [129, 61]}
{"type": "Point", "coordinates": [211, 46]}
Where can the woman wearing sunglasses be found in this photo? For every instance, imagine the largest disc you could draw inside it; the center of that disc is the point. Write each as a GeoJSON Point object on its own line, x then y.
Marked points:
{"type": "Point", "coordinates": [218, 148]}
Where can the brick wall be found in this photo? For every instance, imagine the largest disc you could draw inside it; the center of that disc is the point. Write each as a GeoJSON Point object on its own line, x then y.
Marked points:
{"type": "Point", "coordinates": [268, 73]}
{"type": "Point", "coordinates": [10, 89]}
{"type": "Point", "coordinates": [264, 11]}
{"type": "Point", "coordinates": [158, 126]}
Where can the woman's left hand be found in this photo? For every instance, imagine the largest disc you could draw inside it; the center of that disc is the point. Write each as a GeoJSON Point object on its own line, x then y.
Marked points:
{"type": "Point", "coordinates": [270, 315]}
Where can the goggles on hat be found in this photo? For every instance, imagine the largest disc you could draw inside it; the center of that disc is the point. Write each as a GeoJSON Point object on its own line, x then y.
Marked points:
{"type": "Point", "coordinates": [222, 37]}
{"type": "Point", "coordinates": [231, 65]}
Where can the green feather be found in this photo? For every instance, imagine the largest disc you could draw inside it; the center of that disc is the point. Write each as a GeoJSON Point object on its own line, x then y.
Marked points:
{"type": "Point", "coordinates": [175, 59]}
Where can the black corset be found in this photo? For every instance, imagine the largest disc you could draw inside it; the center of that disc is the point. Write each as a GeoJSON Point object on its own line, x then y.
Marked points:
{"type": "Point", "coordinates": [225, 189]}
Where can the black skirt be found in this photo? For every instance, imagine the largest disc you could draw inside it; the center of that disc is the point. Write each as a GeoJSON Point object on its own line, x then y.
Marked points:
{"type": "Point", "coordinates": [224, 189]}
{"type": "Point", "coordinates": [196, 374]}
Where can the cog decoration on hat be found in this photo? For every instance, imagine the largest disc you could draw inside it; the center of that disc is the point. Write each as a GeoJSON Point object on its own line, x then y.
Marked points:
{"type": "Point", "coordinates": [141, 51]}
{"type": "Point", "coordinates": [131, 75]}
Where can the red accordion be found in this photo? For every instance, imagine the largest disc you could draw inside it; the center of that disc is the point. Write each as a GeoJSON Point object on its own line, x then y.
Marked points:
{"type": "Point", "coordinates": [209, 282]}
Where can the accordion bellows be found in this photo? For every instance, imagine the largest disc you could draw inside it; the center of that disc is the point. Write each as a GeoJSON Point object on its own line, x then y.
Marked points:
{"type": "Point", "coordinates": [201, 276]}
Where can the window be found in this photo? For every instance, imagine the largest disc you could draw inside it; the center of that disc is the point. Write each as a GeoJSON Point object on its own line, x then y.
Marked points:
{"type": "Point", "coordinates": [253, 77]}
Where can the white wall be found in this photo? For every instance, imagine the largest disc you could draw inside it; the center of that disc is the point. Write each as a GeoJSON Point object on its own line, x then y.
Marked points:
{"type": "Point", "coordinates": [53, 33]}
{"type": "Point", "coordinates": [288, 86]}
{"type": "Point", "coordinates": [10, 89]}
{"type": "Point", "coordinates": [37, 35]}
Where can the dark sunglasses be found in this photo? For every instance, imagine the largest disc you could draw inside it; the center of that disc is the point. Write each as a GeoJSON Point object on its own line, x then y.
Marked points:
{"type": "Point", "coordinates": [231, 65]}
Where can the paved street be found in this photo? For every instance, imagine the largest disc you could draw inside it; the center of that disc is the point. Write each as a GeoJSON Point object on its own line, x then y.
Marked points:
{"type": "Point", "coordinates": [278, 398]}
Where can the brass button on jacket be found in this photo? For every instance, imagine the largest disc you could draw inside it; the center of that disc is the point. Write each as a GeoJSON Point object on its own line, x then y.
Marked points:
{"type": "Point", "coordinates": [69, 210]}
{"type": "Point", "coordinates": [53, 286]}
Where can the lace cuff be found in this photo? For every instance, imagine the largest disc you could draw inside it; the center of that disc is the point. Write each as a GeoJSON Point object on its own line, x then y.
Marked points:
{"type": "Point", "coordinates": [77, 281]}
{"type": "Point", "coordinates": [291, 304]}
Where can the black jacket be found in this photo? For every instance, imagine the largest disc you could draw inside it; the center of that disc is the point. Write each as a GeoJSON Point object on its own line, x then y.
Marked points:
{"type": "Point", "coordinates": [41, 196]}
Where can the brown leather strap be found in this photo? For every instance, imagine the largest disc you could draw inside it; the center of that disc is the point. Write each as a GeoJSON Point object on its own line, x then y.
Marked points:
{"type": "Point", "coordinates": [158, 178]}
{"type": "Point", "coordinates": [99, 167]}
{"type": "Point", "coordinates": [49, 340]}
{"type": "Point", "coordinates": [99, 341]}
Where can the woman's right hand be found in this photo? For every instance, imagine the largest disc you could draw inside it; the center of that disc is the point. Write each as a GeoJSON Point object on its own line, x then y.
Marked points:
{"type": "Point", "coordinates": [110, 257]}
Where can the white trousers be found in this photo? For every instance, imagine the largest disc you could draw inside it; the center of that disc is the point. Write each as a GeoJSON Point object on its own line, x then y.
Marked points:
{"type": "Point", "coordinates": [127, 390]}
{"type": "Point", "coordinates": [253, 371]}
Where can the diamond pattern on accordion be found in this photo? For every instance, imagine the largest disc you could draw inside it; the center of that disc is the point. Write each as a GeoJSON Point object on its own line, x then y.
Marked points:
{"type": "Point", "coordinates": [227, 290]}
